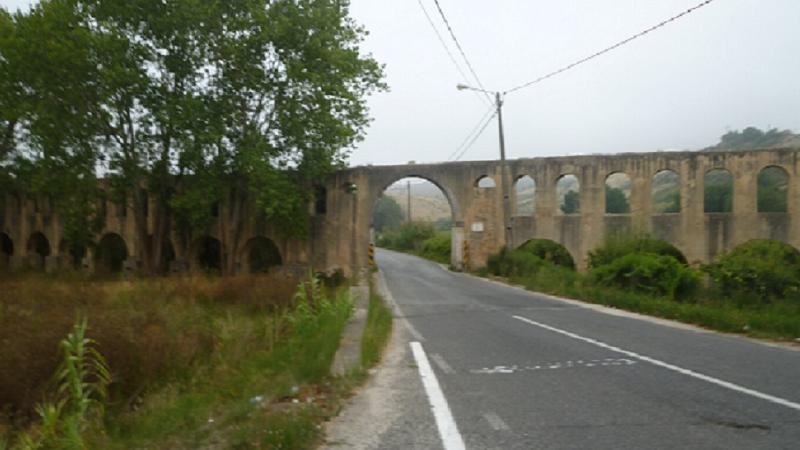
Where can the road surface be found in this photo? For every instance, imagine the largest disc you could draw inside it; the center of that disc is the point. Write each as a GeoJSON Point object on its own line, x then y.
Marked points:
{"type": "Point", "coordinates": [513, 369]}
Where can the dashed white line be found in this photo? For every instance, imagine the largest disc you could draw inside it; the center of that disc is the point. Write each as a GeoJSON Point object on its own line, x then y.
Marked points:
{"type": "Point", "coordinates": [448, 431]}
{"type": "Point", "coordinates": [437, 358]}
{"type": "Point", "coordinates": [496, 422]}
{"type": "Point", "coordinates": [665, 365]}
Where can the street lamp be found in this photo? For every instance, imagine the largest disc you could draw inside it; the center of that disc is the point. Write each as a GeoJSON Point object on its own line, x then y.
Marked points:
{"type": "Point", "coordinates": [498, 98]}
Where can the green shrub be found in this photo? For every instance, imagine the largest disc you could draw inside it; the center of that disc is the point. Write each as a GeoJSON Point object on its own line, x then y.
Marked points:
{"type": "Point", "coordinates": [660, 275]}
{"type": "Point", "coordinates": [514, 263]}
{"type": "Point", "coordinates": [408, 237]}
{"type": "Point", "coordinates": [618, 247]}
{"type": "Point", "coordinates": [549, 251]}
{"type": "Point", "coordinates": [437, 248]}
{"type": "Point", "coordinates": [761, 270]}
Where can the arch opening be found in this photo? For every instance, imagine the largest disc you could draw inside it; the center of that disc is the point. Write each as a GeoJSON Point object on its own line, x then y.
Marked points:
{"type": "Point", "coordinates": [39, 244]}
{"type": "Point", "coordinates": [773, 190]}
{"type": "Point", "coordinates": [417, 215]}
{"type": "Point", "coordinates": [618, 193]}
{"type": "Point", "coordinates": [72, 254]}
{"type": "Point", "coordinates": [568, 194]}
{"type": "Point", "coordinates": [262, 254]}
{"type": "Point", "coordinates": [6, 250]}
{"type": "Point", "coordinates": [207, 254]}
{"type": "Point", "coordinates": [112, 251]}
{"type": "Point", "coordinates": [524, 196]}
{"type": "Point", "coordinates": [718, 191]}
{"type": "Point", "coordinates": [485, 182]}
{"type": "Point", "coordinates": [6, 245]}
{"type": "Point", "coordinates": [550, 251]}
{"type": "Point", "coordinates": [666, 192]}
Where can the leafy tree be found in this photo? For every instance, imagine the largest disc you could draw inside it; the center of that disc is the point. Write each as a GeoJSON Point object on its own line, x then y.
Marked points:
{"type": "Point", "coordinates": [50, 106]}
{"type": "Point", "coordinates": [286, 99]}
{"type": "Point", "coordinates": [388, 214]}
{"type": "Point", "coordinates": [616, 201]}
{"type": "Point", "coordinates": [753, 138]}
{"type": "Point", "coordinates": [181, 105]}
{"type": "Point", "coordinates": [571, 203]}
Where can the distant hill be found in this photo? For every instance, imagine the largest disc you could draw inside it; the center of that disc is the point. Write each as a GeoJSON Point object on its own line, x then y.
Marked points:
{"type": "Point", "coordinates": [428, 202]}
{"type": "Point", "coordinates": [753, 138]}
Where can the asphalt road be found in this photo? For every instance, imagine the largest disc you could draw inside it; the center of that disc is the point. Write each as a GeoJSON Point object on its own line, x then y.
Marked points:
{"type": "Point", "coordinates": [522, 370]}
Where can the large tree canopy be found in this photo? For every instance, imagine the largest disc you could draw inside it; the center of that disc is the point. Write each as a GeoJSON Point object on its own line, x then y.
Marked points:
{"type": "Point", "coordinates": [181, 105]}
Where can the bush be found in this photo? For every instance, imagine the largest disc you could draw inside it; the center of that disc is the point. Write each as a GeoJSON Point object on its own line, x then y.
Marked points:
{"type": "Point", "coordinates": [618, 247]}
{"type": "Point", "coordinates": [768, 270]}
{"type": "Point", "coordinates": [660, 275]}
{"type": "Point", "coordinates": [514, 263]}
{"type": "Point", "coordinates": [549, 251]}
{"type": "Point", "coordinates": [437, 248]}
{"type": "Point", "coordinates": [408, 237]}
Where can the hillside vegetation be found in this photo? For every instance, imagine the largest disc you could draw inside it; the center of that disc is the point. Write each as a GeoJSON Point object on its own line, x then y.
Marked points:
{"type": "Point", "coordinates": [753, 138]}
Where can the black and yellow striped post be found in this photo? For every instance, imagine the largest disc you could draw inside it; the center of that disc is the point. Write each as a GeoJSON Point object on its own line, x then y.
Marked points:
{"type": "Point", "coordinates": [466, 254]}
{"type": "Point", "coordinates": [371, 253]}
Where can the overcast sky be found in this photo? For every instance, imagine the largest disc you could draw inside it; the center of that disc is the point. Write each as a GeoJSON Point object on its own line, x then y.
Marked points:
{"type": "Point", "coordinates": [728, 65]}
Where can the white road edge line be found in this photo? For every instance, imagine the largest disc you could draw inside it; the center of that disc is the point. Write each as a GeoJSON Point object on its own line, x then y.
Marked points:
{"type": "Point", "coordinates": [656, 362]}
{"type": "Point", "coordinates": [448, 431]}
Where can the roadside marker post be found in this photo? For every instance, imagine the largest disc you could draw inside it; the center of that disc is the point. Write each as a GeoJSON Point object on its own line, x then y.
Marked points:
{"type": "Point", "coordinates": [371, 254]}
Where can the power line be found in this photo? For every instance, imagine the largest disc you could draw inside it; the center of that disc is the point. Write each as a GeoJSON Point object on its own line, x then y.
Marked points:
{"type": "Point", "coordinates": [469, 136]}
{"type": "Point", "coordinates": [458, 45]}
{"type": "Point", "coordinates": [475, 138]}
{"type": "Point", "coordinates": [447, 49]}
{"type": "Point", "coordinates": [608, 49]}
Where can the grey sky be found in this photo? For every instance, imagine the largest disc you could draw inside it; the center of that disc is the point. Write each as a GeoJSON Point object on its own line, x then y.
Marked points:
{"type": "Point", "coordinates": [730, 64]}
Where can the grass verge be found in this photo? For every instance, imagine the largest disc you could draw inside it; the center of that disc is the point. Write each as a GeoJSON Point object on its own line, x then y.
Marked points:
{"type": "Point", "coordinates": [779, 320]}
{"type": "Point", "coordinates": [195, 363]}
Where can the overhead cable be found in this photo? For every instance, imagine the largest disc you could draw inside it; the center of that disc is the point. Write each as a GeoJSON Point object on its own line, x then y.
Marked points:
{"type": "Point", "coordinates": [471, 133]}
{"type": "Point", "coordinates": [447, 49]}
{"type": "Point", "coordinates": [461, 50]}
{"type": "Point", "coordinates": [475, 138]}
{"type": "Point", "coordinates": [608, 49]}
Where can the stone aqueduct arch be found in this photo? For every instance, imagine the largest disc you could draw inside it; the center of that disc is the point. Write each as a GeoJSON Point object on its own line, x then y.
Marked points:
{"type": "Point", "coordinates": [478, 213]}
{"type": "Point", "coordinates": [341, 215]}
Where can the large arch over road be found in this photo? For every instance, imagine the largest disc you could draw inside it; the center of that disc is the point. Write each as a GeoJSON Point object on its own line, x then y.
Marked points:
{"type": "Point", "coordinates": [456, 217]}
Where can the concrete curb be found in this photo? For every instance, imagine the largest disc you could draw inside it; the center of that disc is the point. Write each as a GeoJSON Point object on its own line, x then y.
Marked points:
{"type": "Point", "coordinates": [348, 357]}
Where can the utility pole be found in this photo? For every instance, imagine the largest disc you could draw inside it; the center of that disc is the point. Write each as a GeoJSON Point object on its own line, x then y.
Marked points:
{"type": "Point", "coordinates": [408, 199]}
{"type": "Point", "coordinates": [504, 174]}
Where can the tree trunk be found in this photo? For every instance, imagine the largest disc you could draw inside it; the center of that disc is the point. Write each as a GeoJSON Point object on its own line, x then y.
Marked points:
{"type": "Point", "coordinates": [231, 226]}
{"type": "Point", "coordinates": [140, 223]}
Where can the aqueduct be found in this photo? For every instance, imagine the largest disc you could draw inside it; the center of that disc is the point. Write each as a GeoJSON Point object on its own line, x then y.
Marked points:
{"type": "Point", "coordinates": [478, 213]}
{"type": "Point", "coordinates": [31, 234]}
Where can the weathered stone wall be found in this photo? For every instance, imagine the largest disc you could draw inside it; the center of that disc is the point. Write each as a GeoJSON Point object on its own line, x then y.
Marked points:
{"type": "Point", "coordinates": [342, 221]}
{"type": "Point", "coordinates": [478, 212]}
{"type": "Point", "coordinates": [23, 220]}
